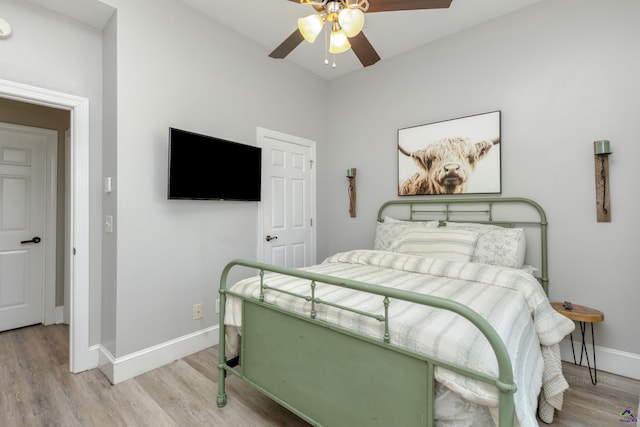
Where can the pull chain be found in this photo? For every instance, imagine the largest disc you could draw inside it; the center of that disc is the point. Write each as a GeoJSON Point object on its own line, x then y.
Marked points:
{"type": "Point", "coordinates": [326, 46]}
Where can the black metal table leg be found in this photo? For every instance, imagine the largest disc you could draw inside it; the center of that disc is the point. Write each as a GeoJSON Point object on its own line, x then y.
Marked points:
{"type": "Point", "coordinates": [593, 374]}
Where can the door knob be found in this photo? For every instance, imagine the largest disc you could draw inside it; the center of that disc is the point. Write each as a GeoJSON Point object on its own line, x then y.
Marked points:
{"type": "Point", "coordinates": [34, 240]}
{"type": "Point", "coordinates": [270, 238]}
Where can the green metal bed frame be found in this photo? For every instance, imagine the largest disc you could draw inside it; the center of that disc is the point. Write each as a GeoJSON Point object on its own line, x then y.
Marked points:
{"type": "Point", "coordinates": [332, 376]}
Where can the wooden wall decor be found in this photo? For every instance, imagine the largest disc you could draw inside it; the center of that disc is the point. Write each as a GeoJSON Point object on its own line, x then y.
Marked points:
{"type": "Point", "coordinates": [601, 157]}
{"type": "Point", "coordinates": [351, 176]}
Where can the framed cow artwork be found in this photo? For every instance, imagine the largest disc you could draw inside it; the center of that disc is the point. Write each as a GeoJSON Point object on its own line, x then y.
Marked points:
{"type": "Point", "coordinates": [457, 156]}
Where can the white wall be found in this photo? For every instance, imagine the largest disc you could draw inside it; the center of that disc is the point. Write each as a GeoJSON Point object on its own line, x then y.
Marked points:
{"type": "Point", "coordinates": [564, 73]}
{"type": "Point", "coordinates": [202, 77]}
{"type": "Point", "coordinates": [50, 51]}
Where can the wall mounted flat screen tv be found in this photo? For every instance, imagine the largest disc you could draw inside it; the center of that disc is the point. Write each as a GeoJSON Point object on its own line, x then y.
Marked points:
{"type": "Point", "coordinates": [204, 167]}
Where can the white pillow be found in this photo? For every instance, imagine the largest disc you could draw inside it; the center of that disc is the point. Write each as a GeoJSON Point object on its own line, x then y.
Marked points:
{"type": "Point", "coordinates": [389, 231]}
{"type": "Point", "coordinates": [454, 245]}
{"type": "Point", "coordinates": [496, 245]}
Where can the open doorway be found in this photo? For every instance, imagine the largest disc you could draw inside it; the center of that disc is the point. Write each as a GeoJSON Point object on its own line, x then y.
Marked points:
{"type": "Point", "coordinates": [76, 254]}
{"type": "Point", "coordinates": [23, 124]}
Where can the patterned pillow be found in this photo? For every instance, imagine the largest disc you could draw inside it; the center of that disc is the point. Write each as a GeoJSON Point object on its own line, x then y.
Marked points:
{"type": "Point", "coordinates": [389, 231]}
{"type": "Point", "coordinates": [454, 245]}
{"type": "Point", "coordinates": [496, 245]}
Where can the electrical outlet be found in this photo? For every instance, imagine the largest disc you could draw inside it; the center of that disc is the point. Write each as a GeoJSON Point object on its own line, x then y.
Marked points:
{"type": "Point", "coordinates": [197, 311]}
{"type": "Point", "coordinates": [217, 306]}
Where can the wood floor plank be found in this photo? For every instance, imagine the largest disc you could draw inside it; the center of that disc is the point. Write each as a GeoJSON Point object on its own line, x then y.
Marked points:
{"type": "Point", "coordinates": [80, 391]}
{"type": "Point", "coordinates": [597, 405]}
{"type": "Point", "coordinates": [96, 402]}
{"type": "Point", "coordinates": [36, 389]}
{"type": "Point", "coordinates": [10, 399]}
{"type": "Point", "coordinates": [29, 394]}
{"type": "Point", "coordinates": [182, 392]}
{"type": "Point", "coordinates": [205, 362]}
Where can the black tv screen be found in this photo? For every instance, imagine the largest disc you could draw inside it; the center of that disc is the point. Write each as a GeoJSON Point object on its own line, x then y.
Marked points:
{"type": "Point", "coordinates": [207, 168]}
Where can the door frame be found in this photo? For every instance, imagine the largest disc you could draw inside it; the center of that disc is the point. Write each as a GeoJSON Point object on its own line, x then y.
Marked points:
{"type": "Point", "coordinates": [261, 135]}
{"type": "Point", "coordinates": [81, 356]}
{"type": "Point", "coordinates": [48, 311]}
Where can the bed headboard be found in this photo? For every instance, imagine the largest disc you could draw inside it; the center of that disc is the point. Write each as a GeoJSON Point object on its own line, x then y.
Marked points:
{"type": "Point", "coordinates": [505, 211]}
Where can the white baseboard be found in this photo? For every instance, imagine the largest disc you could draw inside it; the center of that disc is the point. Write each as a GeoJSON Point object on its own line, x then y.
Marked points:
{"type": "Point", "coordinates": [607, 359]}
{"type": "Point", "coordinates": [125, 367]}
{"type": "Point", "coordinates": [59, 315]}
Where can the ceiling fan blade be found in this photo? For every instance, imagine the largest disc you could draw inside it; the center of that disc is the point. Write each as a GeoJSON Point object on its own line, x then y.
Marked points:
{"type": "Point", "coordinates": [391, 5]}
{"type": "Point", "coordinates": [287, 45]}
{"type": "Point", "coordinates": [363, 49]}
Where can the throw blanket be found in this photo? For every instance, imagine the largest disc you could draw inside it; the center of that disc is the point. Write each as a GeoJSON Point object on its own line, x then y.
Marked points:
{"type": "Point", "coordinates": [512, 301]}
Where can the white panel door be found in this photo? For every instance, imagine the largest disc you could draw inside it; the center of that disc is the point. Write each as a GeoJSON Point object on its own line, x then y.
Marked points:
{"type": "Point", "coordinates": [288, 199]}
{"type": "Point", "coordinates": [22, 226]}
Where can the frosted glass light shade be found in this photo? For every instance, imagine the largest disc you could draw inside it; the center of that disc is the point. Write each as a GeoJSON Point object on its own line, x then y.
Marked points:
{"type": "Point", "coordinates": [351, 21]}
{"type": "Point", "coordinates": [310, 27]}
{"type": "Point", "coordinates": [338, 42]}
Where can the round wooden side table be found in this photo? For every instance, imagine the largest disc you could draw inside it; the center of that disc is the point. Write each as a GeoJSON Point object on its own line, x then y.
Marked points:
{"type": "Point", "coordinates": [583, 315]}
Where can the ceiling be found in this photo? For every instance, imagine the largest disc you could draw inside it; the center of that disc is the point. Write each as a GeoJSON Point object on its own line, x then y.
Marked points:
{"type": "Point", "coordinates": [93, 13]}
{"type": "Point", "coordinates": [269, 22]}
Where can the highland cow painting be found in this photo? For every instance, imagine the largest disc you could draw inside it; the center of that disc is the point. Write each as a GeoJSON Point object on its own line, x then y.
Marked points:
{"type": "Point", "coordinates": [458, 156]}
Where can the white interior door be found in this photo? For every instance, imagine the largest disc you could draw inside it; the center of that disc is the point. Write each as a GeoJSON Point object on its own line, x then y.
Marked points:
{"type": "Point", "coordinates": [287, 235]}
{"type": "Point", "coordinates": [23, 171]}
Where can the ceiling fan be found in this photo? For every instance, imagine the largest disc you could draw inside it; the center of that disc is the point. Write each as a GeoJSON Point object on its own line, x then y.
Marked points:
{"type": "Point", "coordinates": [345, 19]}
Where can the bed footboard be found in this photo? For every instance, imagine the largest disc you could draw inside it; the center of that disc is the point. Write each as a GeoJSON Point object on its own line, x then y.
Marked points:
{"type": "Point", "coordinates": [329, 375]}
{"type": "Point", "coordinates": [324, 375]}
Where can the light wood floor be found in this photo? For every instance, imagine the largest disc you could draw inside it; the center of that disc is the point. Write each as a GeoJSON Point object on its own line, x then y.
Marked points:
{"type": "Point", "coordinates": [36, 389]}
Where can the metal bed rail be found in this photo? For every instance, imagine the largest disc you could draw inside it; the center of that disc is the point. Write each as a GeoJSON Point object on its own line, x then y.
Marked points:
{"type": "Point", "coordinates": [504, 382]}
{"type": "Point", "coordinates": [454, 210]}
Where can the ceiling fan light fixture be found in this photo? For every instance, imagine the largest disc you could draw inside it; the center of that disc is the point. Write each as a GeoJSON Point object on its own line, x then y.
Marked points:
{"type": "Point", "coordinates": [351, 21]}
{"type": "Point", "coordinates": [310, 27]}
{"type": "Point", "coordinates": [338, 42]}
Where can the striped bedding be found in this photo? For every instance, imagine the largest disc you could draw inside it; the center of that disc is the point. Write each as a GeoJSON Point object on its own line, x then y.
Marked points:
{"type": "Point", "coordinates": [511, 300]}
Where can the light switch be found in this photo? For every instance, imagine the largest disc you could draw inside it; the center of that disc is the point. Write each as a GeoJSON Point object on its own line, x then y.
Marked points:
{"type": "Point", "coordinates": [108, 223]}
{"type": "Point", "coordinates": [107, 184]}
